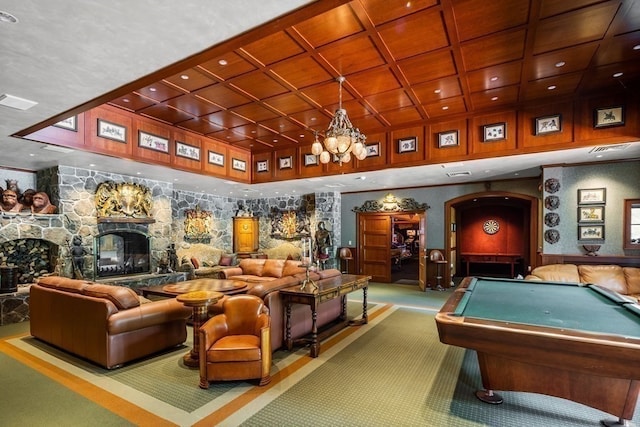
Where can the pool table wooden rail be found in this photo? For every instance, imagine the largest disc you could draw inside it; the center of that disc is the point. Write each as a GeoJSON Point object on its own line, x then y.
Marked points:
{"type": "Point", "coordinates": [599, 371]}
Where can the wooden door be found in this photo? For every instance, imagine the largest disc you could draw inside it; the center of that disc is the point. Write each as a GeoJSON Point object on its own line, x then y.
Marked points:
{"type": "Point", "coordinates": [245, 234]}
{"type": "Point", "coordinates": [374, 246]}
{"type": "Point", "coordinates": [422, 252]}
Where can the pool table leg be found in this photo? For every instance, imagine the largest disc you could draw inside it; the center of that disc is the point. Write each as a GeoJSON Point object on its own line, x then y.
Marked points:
{"type": "Point", "coordinates": [488, 396]}
{"type": "Point", "coordinates": [619, 422]}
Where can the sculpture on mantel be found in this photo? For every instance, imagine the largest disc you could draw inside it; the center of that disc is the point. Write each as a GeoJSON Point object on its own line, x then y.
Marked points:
{"type": "Point", "coordinates": [42, 205]}
{"type": "Point", "coordinates": [10, 201]}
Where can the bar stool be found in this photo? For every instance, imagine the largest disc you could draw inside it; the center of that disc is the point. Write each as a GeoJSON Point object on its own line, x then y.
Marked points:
{"type": "Point", "coordinates": [436, 257]}
{"type": "Point", "coordinates": [345, 255]}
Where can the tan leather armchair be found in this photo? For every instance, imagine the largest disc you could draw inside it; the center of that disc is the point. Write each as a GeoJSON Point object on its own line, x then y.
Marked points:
{"type": "Point", "coordinates": [236, 345]}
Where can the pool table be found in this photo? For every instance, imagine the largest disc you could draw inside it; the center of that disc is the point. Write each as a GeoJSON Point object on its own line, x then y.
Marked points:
{"type": "Point", "coordinates": [578, 342]}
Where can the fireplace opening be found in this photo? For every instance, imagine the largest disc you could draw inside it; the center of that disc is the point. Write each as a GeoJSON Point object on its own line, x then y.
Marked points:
{"type": "Point", "coordinates": [122, 253]}
{"type": "Point", "coordinates": [31, 258]}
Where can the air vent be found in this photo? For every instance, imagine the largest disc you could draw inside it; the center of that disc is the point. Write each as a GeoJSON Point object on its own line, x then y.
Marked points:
{"type": "Point", "coordinates": [249, 190]}
{"type": "Point", "coordinates": [618, 147]}
{"type": "Point", "coordinates": [338, 185]}
{"type": "Point", "coordinates": [461, 173]}
{"type": "Point", "coordinates": [58, 149]}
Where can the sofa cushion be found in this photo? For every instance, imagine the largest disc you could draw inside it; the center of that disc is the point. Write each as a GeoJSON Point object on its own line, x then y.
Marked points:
{"type": "Point", "coordinates": [226, 260]}
{"type": "Point", "coordinates": [252, 266]}
{"type": "Point", "coordinates": [273, 268]}
{"type": "Point", "coordinates": [63, 284]}
{"type": "Point", "coordinates": [632, 275]}
{"type": "Point", "coordinates": [195, 262]}
{"type": "Point", "coordinates": [292, 267]}
{"type": "Point", "coordinates": [121, 297]}
{"type": "Point", "coordinates": [557, 273]}
{"type": "Point", "coordinates": [608, 276]}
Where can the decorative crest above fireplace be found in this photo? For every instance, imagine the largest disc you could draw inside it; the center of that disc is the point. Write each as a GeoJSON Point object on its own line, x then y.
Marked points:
{"type": "Point", "coordinates": [116, 202]}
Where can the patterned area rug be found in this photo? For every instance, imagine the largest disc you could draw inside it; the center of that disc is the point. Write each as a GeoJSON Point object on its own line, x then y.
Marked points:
{"type": "Point", "coordinates": [393, 371]}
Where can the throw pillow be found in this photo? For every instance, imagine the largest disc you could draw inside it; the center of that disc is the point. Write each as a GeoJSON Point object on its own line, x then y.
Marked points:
{"type": "Point", "coordinates": [195, 262]}
{"type": "Point", "coordinates": [225, 260]}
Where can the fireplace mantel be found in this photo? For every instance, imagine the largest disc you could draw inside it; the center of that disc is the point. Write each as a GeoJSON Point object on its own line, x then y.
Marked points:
{"type": "Point", "coordinates": [125, 220]}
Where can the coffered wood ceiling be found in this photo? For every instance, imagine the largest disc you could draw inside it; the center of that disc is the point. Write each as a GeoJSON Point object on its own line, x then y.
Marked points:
{"type": "Point", "coordinates": [405, 63]}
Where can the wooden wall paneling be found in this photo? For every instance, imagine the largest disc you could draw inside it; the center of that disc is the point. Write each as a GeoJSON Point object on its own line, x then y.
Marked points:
{"type": "Point", "coordinates": [397, 156]}
{"type": "Point", "coordinates": [436, 153]}
{"type": "Point", "coordinates": [585, 126]}
{"type": "Point", "coordinates": [285, 163]}
{"type": "Point", "coordinates": [151, 141]}
{"type": "Point", "coordinates": [527, 137]}
{"type": "Point", "coordinates": [476, 133]}
{"type": "Point", "coordinates": [376, 142]}
{"type": "Point", "coordinates": [238, 160]}
{"type": "Point", "coordinates": [213, 151]}
{"type": "Point", "coordinates": [262, 167]}
{"type": "Point", "coordinates": [102, 145]}
{"type": "Point", "coordinates": [186, 144]}
{"type": "Point", "coordinates": [62, 136]}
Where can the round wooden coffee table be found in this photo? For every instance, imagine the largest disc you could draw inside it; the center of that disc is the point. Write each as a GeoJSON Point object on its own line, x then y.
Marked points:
{"type": "Point", "coordinates": [199, 301]}
{"type": "Point", "coordinates": [225, 286]}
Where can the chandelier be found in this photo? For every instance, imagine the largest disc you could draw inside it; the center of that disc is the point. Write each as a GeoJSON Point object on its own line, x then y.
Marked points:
{"type": "Point", "coordinates": [341, 138]}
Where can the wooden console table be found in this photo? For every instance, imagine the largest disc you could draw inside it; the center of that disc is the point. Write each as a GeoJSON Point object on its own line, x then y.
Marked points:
{"type": "Point", "coordinates": [328, 289]}
{"type": "Point", "coordinates": [511, 259]}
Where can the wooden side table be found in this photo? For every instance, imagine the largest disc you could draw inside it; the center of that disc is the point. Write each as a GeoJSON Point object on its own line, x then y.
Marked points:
{"type": "Point", "coordinates": [199, 301]}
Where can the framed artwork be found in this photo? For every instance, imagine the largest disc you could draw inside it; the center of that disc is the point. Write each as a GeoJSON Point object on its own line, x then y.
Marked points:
{"type": "Point", "coordinates": [591, 232]}
{"type": "Point", "coordinates": [216, 158]}
{"type": "Point", "coordinates": [548, 124]}
{"type": "Point", "coordinates": [310, 159]}
{"type": "Point", "coordinates": [407, 145]}
{"type": "Point", "coordinates": [448, 139]}
{"type": "Point", "coordinates": [239, 165]}
{"type": "Point", "coordinates": [70, 123]}
{"type": "Point", "coordinates": [590, 213]}
{"type": "Point", "coordinates": [153, 142]}
{"type": "Point", "coordinates": [262, 166]}
{"type": "Point", "coordinates": [494, 132]}
{"type": "Point", "coordinates": [607, 117]}
{"type": "Point", "coordinates": [187, 151]}
{"type": "Point", "coordinates": [373, 149]}
{"type": "Point", "coordinates": [112, 131]}
{"type": "Point", "coordinates": [285, 162]}
{"type": "Point", "coordinates": [592, 196]}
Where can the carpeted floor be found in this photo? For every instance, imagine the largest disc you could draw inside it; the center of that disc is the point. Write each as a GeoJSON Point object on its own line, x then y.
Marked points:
{"type": "Point", "coordinates": [393, 371]}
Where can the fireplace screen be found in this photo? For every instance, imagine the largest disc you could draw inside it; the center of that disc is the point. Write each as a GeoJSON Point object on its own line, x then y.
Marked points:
{"type": "Point", "coordinates": [122, 253]}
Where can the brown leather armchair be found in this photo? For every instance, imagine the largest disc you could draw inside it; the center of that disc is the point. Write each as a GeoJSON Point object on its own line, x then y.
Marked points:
{"type": "Point", "coordinates": [236, 345]}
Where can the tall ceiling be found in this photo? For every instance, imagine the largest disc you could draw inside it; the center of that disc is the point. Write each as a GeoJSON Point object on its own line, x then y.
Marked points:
{"type": "Point", "coordinates": [265, 87]}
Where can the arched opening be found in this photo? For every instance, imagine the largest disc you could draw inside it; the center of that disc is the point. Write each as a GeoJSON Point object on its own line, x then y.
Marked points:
{"type": "Point", "coordinates": [493, 233]}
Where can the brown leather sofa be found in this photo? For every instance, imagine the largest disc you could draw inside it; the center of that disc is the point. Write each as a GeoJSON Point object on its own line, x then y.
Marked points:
{"type": "Point", "coordinates": [623, 280]}
{"type": "Point", "coordinates": [266, 277]}
{"type": "Point", "coordinates": [102, 323]}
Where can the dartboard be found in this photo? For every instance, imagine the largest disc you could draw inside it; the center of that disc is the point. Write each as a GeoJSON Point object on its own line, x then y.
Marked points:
{"type": "Point", "coordinates": [491, 226]}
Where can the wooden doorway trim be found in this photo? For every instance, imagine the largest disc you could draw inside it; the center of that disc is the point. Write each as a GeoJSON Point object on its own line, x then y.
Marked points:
{"type": "Point", "coordinates": [451, 206]}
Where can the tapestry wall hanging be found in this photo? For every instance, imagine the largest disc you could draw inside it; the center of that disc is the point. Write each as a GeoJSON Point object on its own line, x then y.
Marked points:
{"type": "Point", "coordinates": [290, 224]}
{"type": "Point", "coordinates": [197, 226]}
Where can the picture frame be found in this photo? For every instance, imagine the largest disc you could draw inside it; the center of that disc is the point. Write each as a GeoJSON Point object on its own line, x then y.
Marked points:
{"type": "Point", "coordinates": [153, 142]}
{"type": "Point", "coordinates": [494, 132]}
{"type": "Point", "coordinates": [592, 196]}
{"type": "Point", "coordinates": [407, 145]}
{"type": "Point", "coordinates": [591, 213]}
{"type": "Point", "coordinates": [373, 149]}
{"type": "Point", "coordinates": [608, 117]}
{"type": "Point", "coordinates": [239, 165]}
{"type": "Point", "coordinates": [310, 159]}
{"type": "Point", "coordinates": [216, 158]}
{"type": "Point", "coordinates": [548, 124]}
{"type": "Point", "coordinates": [187, 151]}
{"type": "Point", "coordinates": [70, 123]}
{"type": "Point", "coordinates": [285, 162]}
{"type": "Point", "coordinates": [448, 139]}
{"type": "Point", "coordinates": [262, 166]}
{"type": "Point", "coordinates": [112, 131]}
{"type": "Point", "coordinates": [591, 232]}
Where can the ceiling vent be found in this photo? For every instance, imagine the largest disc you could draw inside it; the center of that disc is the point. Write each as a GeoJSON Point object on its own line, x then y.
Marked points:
{"type": "Point", "coordinates": [338, 185]}
{"type": "Point", "coordinates": [16, 102]}
{"type": "Point", "coordinates": [618, 147]}
{"type": "Point", "coordinates": [461, 173]}
{"type": "Point", "coordinates": [58, 149]}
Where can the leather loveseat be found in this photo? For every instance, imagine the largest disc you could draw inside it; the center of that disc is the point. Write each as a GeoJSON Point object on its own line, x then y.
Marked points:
{"type": "Point", "coordinates": [103, 323]}
{"type": "Point", "coordinates": [623, 280]}
{"type": "Point", "coordinates": [266, 277]}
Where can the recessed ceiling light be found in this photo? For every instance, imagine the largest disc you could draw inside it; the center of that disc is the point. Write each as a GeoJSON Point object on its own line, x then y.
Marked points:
{"type": "Point", "coordinates": [636, 47]}
{"type": "Point", "coordinates": [494, 98]}
{"type": "Point", "coordinates": [275, 140]}
{"type": "Point", "coordinates": [445, 107]}
{"type": "Point", "coordinates": [7, 18]}
{"type": "Point", "coordinates": [91, 165]}
{"type": "Point", "coordinates": [313, 119]}
{"type": "Point", "coordinates": [222, 62]}
{"type": "Point", "coordinates": [494, 78]}
{"type": "Point", "coordinates": [616, 75]}
{"type": "Point", "coordinates": [138, 173]}
{"type": "Point", "coordinates": [560, 64]}
{"type": "Point", "coordinates": [184, 77]}
{"type": "Point", "coordinates": [552, 87]}
{"type": "Point", "coordinates": [125, 100]}
{"type": "Point", "coordinates": [437, 91]}
{"type": "Point", "coordinates": [301, 135]}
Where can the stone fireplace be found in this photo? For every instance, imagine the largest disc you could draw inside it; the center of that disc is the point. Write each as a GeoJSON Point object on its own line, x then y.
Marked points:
{"type": "Point", "coordinates": [122, 249]}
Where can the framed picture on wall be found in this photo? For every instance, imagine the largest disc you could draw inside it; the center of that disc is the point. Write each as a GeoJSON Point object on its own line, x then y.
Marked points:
{"type": "Point", "coordinates": [590, 213]}
{"type": "Point", "coordinates": [407, 145]}
{"type": "Point", "coordinates": [153, 142]}
{"type": "Point", "coordinates": [591, 232]}
{"type": "Point", "coordinates": [262, 166]}
{"type": "Point", "coordinates": [187, 151]}
{"type": "Point", "coordinates": [70, 123]}
{"type": "Point", "coordinates": [548, 124]}
{"type": "Point", "coordinates": [448, 139]}
{"type": "Point", "coordinates": [373, 149]}
{"type": "Point", "coordinates": [592, 196]}
{"type": "Point", "coordinates": [310, 159]}
{"type": "Point", "coordinates": [494, 132]}
{"type": "Point", "coordinates": [285, 162]}
{"type": "Point", "coordinates": [607, 117]}
{"type": "Point", "coordinates": [112, 131]}
{"type": "Point", "coordinates": [239, 165]}
{"type": "Point", "coordinates": [216, 158]}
